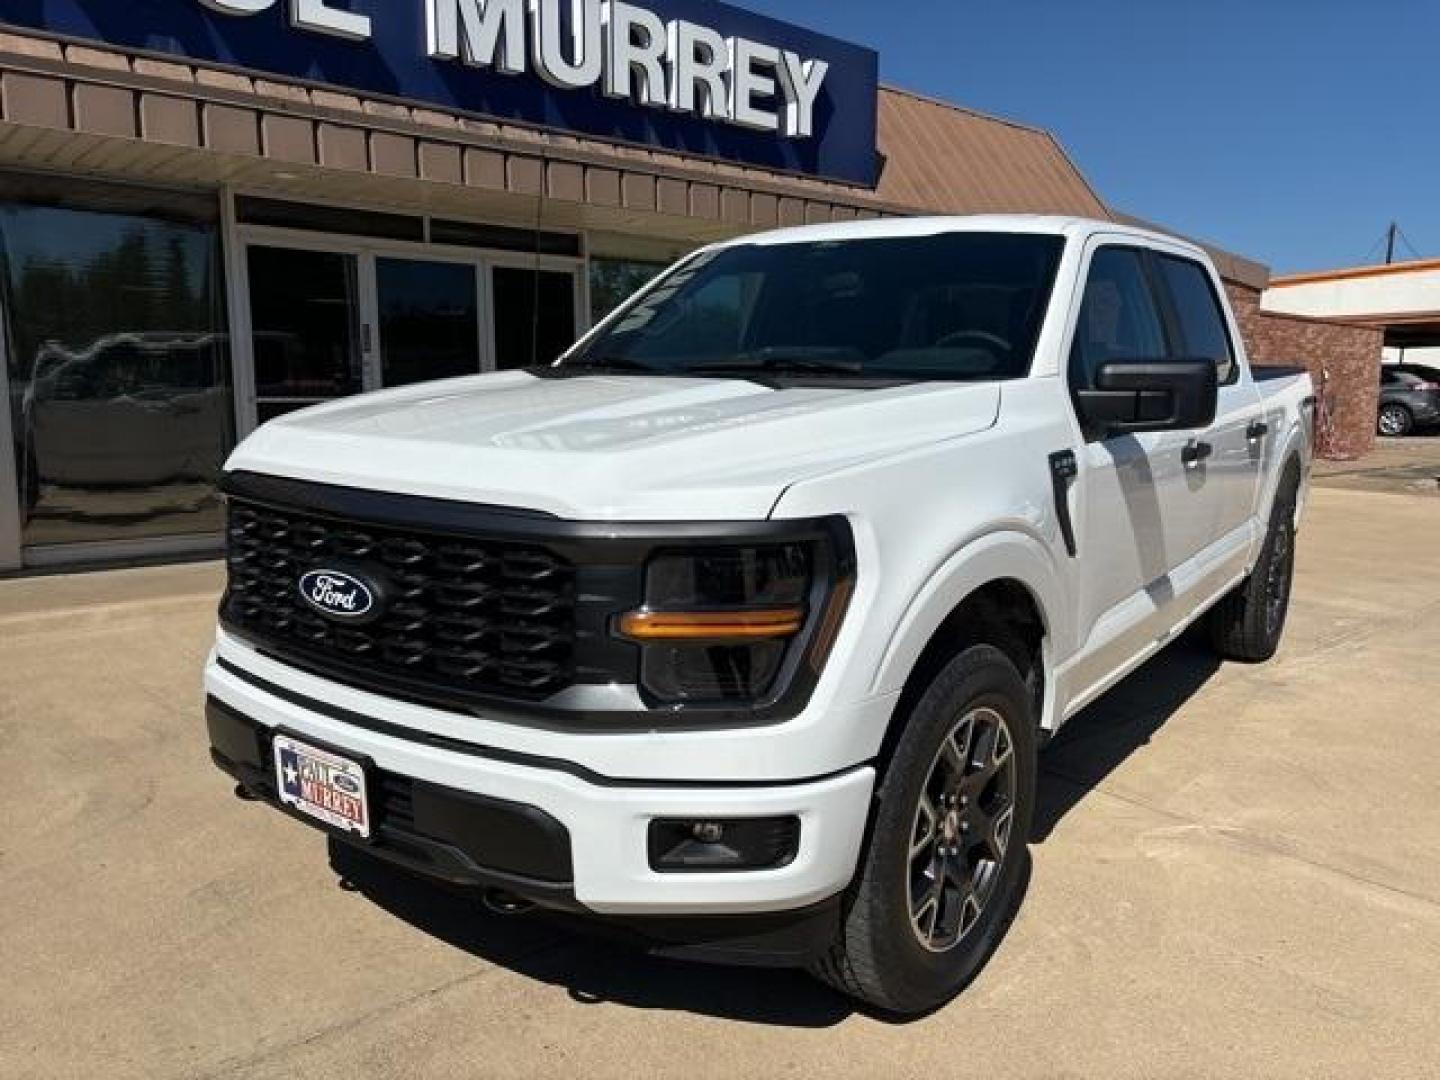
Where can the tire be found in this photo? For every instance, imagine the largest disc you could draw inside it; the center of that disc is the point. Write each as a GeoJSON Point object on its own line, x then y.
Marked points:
{"type": "Point", "coordinates": [1248, 623]}
{"type": "Point", "coordinates": [881, 955]}
{"type": "Point", "coordinates": [1395, 420]}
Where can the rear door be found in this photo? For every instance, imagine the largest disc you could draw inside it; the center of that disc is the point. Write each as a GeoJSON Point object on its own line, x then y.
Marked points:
{"type": "Point", "coordinates": [1228, 476]}
{"type": "Point", "coordinates": [1144, 511]}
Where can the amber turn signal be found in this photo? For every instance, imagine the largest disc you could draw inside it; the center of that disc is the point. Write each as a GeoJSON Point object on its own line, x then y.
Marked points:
{"type": "Point", "coordinates": [712, 625]}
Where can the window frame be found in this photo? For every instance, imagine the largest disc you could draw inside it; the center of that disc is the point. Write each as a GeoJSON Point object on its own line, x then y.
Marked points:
{"type": "Point", "coordinates": [1147, 274]}
{"type": "Point", "coordinates": [1171, 311]}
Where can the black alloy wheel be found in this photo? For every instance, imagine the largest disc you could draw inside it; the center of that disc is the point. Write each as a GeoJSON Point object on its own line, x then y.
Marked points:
{"type": "Point", "coordinates": [1395, 420]}
{"type": "Point", "coordinates": [946, 861]}
{"type": "Point", "coordinates": [1279, 574]}
{"type": "Point", "coordinates": [1248, 623]}
{"type": "Point", "coordinates": [962, 829]}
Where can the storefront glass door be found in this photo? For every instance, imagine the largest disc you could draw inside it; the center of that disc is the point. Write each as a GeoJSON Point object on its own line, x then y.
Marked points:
{"type": "Point", "coordinates": [429, 318]}
{"type": "Point", "coordinates": [534, 315]}
{"type": "Point", "coordinates": [305, 324]}
{"type": "Point", "coordinates": [334, 317]}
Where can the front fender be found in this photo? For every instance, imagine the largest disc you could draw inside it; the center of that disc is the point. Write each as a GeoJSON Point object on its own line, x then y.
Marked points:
{"type": "Point", "coordinates": [1007, 554]}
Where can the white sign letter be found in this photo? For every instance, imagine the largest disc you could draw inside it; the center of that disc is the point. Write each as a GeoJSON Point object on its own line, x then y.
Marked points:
{"type": "Point", "coordinates": [239, 7]}
{"type": "Point", "coordinates": [800, 81]}
{"type": "Point", "coordinates": [635, 44]}
{"type": "Point", "coordinates": [749, 79]}
{"type": "Point", "coordinates": [698, 55]}
{"type": "Point", "coordinates": [547, 43]}
{"type": "Point", "coordinates": [314, 15]}
{"type": "Point", "coordinates": [490, 32]}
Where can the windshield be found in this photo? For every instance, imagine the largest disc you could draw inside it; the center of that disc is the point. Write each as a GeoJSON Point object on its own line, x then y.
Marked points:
{"type": "Point", "coordinates": [952, 306]}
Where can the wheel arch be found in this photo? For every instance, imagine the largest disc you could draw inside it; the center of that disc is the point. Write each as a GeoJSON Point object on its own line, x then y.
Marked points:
{"type": "Point", "coordinates": [1002, 591]}
{"type": "Point", "coordinates": [1291, 460]}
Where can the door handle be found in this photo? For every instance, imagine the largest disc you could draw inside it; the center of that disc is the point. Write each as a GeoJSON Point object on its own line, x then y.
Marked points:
{"type": "Point", "coordinates": [1257, 430]}
{"type": "Point", "coordinates": [1195, 453]}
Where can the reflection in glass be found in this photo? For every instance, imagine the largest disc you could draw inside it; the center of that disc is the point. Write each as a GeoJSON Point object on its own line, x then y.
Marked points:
{"type": "Point", "coordinates": [304, 318]}
{"type": "Point", "coordinates": [429, 320]}
{"type": "Point", "coordinates": [118, 362]}
{"type": "Point", "coordinates": [613, 281]}
{"type": "Point", "coordinates": [534, 316]}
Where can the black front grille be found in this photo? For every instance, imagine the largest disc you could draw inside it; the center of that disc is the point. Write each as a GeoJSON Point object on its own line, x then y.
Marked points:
{"type": "Point", "coordinates": [463, 617]}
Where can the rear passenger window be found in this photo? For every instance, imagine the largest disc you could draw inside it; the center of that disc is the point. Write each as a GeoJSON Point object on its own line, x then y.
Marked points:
{"type": "Point", "coordinates": [1197, 309]}
{"type": "Point", "coordinates": [1119, 321]}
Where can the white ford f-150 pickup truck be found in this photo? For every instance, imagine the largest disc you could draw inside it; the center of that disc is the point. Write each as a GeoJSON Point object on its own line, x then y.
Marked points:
{"type": "Point", "coordinates": [740, 627]}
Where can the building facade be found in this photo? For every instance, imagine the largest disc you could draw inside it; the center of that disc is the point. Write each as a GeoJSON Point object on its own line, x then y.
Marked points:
{"type": "Point", "coordinates": [264, 204]}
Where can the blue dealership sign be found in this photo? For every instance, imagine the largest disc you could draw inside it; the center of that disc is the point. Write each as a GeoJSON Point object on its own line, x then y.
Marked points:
{"type": "Point", "coordinates": [691, 76]}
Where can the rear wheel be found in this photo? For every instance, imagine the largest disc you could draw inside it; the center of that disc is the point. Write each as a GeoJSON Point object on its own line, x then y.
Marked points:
{"type": "Point", "coordinates": [1395, 420]}
{"type": "Point", "coordinates": [1247, 625]}
{"type": "Point", "coordinates": [943, 872]}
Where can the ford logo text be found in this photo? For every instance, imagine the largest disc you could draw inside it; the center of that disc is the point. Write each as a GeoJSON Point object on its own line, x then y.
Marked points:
{"type": "Point", "coordinates": [337, 594]}
{"type": "Point", "coordinates": [346, 783]}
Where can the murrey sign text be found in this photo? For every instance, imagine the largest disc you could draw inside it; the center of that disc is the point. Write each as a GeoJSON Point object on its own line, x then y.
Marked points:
{"type": "Point", "coordinates": [625, 49]}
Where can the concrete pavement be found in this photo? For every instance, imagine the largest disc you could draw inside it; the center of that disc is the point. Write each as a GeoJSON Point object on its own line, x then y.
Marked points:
{"type": "Point", "coordinates": [1236, 873]}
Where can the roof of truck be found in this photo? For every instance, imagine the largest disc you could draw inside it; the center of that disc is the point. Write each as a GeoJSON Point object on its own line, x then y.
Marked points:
{"type": "Point", "coordinates": [882, 228]}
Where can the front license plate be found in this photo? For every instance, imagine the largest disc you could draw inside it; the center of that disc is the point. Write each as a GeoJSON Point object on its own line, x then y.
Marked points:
{"type": "Point", "coordinates": [322, 785]}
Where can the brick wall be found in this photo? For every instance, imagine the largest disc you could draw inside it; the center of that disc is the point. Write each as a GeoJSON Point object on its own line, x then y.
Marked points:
{"type": "Point", "coordinates": [1349, 355]}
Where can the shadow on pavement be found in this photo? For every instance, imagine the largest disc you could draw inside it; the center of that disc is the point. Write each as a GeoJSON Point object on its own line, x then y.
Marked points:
{"type": "Point", "coordinates": [595, 969]}
{"type": "Point", "coordinates": [592, 968]}
{"type": "Point", "coordinates": [1098, 739]}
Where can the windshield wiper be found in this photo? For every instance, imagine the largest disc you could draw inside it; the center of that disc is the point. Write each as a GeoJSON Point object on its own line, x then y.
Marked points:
{"type": "Point", "coordinates": [777, 360]}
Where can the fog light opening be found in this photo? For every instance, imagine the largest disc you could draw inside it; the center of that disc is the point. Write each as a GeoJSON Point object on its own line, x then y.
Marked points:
{"type": "Point", "coordinates": [697, 845]}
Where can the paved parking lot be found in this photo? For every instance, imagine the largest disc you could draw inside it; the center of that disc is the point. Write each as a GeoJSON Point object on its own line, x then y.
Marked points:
{"type": "Point", "coordinates": [1409, 466]}
{"type": "Point", "coordinates": [1236, 873]}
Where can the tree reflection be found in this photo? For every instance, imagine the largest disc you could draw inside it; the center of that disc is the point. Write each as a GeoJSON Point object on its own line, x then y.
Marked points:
{"type": "Point", "coordinates": [119, 367]}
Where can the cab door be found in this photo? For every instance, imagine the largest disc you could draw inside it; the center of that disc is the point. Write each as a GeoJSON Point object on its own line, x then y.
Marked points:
{"type": "Point", "coordinates": [1241, 434]}
{"type": "Point", "coordinates": [1146, 500]}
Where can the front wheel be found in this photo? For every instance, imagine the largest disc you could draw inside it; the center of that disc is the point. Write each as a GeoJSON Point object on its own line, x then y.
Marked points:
{"type": "Point", "coordinates": [944, 869]}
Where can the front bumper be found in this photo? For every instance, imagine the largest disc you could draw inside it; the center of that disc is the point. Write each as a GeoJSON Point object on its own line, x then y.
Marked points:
{"type": "Point", "coordinates": [575, 823]}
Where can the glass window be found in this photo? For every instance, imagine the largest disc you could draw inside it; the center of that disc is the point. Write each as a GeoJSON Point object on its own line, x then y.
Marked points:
{"type": "Point", "coordinates": [1118, 319]}
{"type": "Point", "coordinates": [534, 316]}
{"type": "Point", "coordinates": [118, 359]}
{"type": "Point", "coordinates": [305, 317]}
{"type": "Point", "coordinates": [950, 306]}
{"type": "Point", "coordinates": [429, 320]}
{"type": "Point", "coordinates": [1202, 323]}
{"type": "Point", "coordinates": [613, 281]}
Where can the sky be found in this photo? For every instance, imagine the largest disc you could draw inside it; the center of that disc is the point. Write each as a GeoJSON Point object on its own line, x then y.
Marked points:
{"type": "Point", "coordinates": [1288, 131]}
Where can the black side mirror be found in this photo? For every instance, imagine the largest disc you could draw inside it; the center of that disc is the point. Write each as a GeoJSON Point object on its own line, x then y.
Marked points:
{"type": "Point", "coordinates": [1150, 395]}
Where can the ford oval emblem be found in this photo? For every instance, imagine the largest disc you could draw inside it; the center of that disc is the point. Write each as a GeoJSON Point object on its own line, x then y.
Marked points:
{"type": "Point", "coordinates": [336, 594]}
{"type": "Point", "coordinates": [346, 783]}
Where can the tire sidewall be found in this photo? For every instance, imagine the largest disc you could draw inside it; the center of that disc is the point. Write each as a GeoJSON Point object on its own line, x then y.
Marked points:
{"type": "Point", "coordinates": [980, 676]}
{"type": "Point", "coordinates": [1282, 521]}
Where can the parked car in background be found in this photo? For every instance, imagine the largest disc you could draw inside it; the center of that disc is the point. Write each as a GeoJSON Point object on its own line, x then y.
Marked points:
{"type": "Point", "coordinates": [1409, 398]}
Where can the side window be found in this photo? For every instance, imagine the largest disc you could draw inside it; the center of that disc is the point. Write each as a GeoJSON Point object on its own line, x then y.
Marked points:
{"type": "Point", "coordinates": [1119, 321]}
{"type": "Point", "coordinates": [1197, 309]}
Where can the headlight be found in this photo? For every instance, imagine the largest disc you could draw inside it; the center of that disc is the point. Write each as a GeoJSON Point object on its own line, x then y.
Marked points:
{"type": "Point", "coordinates": [725, 624]}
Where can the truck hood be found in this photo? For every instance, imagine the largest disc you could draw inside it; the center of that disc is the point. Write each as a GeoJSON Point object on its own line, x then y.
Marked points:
{"type": "Point", "coordinates": [603, 448]}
